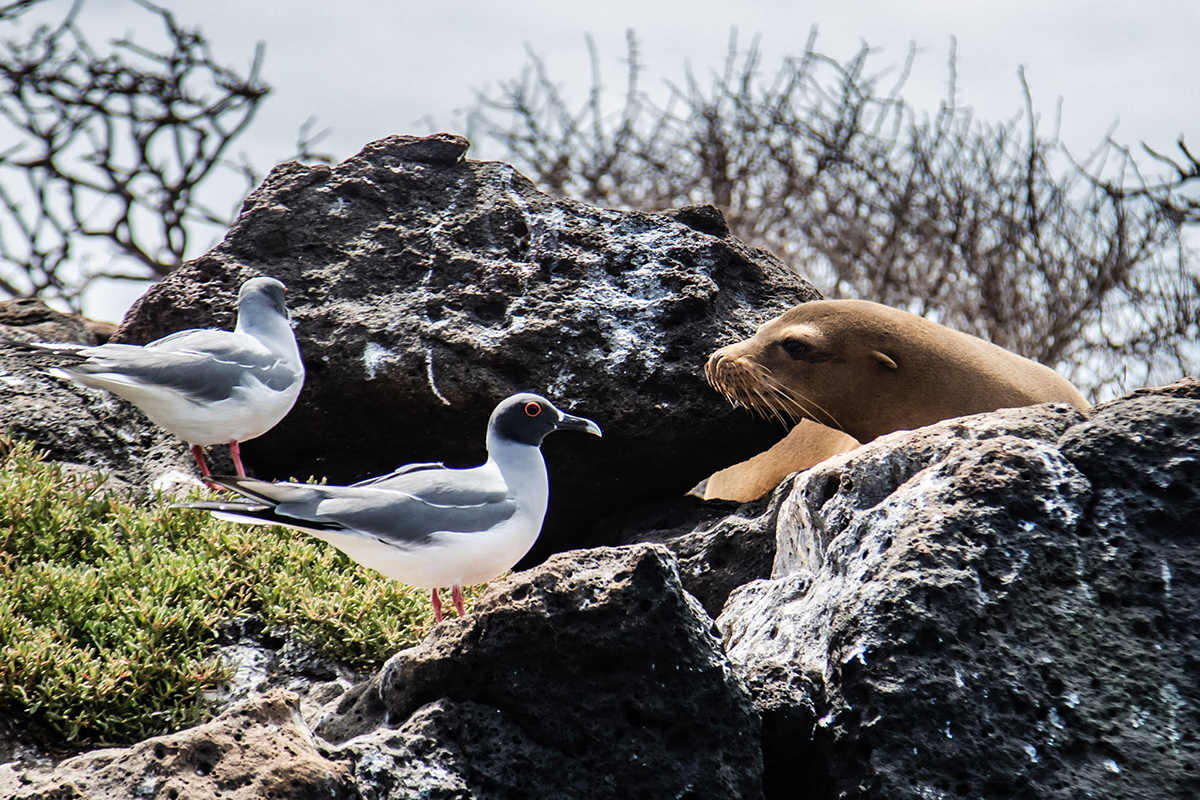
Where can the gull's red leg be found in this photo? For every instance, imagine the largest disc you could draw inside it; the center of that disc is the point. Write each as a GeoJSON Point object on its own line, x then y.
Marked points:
{"type": "Point", "coordinates": [457, 594]}
{"type": "Point", "coordinates": [198, 454]}
{"type": "Point", "coordinates": [235, 451]}
{"type": "Point", "coordinates": [437, 606]}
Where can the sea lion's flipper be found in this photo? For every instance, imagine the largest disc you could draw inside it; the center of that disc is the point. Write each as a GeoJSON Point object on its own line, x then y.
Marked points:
{"type": "Point", "coordinates": [807, 445]}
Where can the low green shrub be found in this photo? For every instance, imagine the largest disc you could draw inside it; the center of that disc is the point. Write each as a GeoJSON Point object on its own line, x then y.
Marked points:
{"type": "Point", "coordinates": [109, 609]}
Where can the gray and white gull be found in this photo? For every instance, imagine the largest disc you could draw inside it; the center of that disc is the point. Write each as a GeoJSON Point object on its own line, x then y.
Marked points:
{"type": "Point", "coordinates": [205, 386]}
{"type": "Point", "coordinates": [425, 524]}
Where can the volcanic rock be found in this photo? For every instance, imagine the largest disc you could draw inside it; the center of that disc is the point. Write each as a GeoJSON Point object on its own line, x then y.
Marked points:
{"type": "Point", "coordinates": [257, 750]}
{"type": "Point", "coordinates": [592, 676]}
{"type": "Point", "coordinates": [427, 287]}
{"type": "Point", "coordinates": [719, 545]}
{"type": "Point", "coordinates": [1004, 605]}
{"type": "Point", "coordinates": [88, 428]}
{"type": "Point", "coordinates": [29, 319]}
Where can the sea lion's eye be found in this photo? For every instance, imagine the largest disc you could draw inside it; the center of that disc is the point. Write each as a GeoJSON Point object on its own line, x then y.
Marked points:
{"type": "Point", "coordinates": [532, 409]}
{"type": "Point", "coordinates": [796, 348]}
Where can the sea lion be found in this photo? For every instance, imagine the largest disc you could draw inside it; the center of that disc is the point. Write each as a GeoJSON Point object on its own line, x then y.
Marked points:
{"type": "Point", "coordinates": [866, 370]}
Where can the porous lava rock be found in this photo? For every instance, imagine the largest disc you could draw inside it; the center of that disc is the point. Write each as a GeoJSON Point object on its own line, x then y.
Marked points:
{"type": "Point", "coordinates": [29, 319]}
{"type": "Point", "coordinates": [1004, 605]}
{"type": "Point", "coordinates": [719, 544]}
{"type": "Point", "coordinates": [594, 675]}
{"type": "Point", "coordinates": [260, 749]}
{"type": "Point", "coordinates": [427, 287]}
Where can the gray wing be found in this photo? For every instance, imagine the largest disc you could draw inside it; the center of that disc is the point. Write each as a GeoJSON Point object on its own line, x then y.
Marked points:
{"type": "Point", "coordinates": [401, 470]}
{"type": "Point", "coordinates": [439, 485]}
{"type": "Point", "coordinates": [397, 518]}
{"type": "Point", "coordinates": [204, 366]}
{"type": "Point", "coordinates": [394, 517]}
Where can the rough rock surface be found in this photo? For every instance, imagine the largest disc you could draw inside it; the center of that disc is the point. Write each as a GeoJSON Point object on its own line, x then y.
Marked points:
{"type": "Point", "coordinates": [427, 287]}
{"type": "Point", "coordinates": [31, 320]}
{"type": "Point", "coordinates": [720, 545]}
{"type": "Point", "coordinates": [592, 676]}
{"type": "Point", "coordinates": [261, 749]}
{"type": "Point", "coordinates": [996, 607]}
{"type": "Point", "coordinates": [261, 658]}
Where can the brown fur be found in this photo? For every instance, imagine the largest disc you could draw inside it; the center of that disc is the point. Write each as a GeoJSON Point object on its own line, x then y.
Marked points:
{"type": "Point", "coordinates": [867, 370]}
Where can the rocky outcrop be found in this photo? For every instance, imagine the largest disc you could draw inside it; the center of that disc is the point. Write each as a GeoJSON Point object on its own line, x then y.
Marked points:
{"type": "Point", "coordinates": [31, 320]}
{"type": "Point", "coordinates": [427, 287]}
{"type": "Point", "coordinates": [997, 606]}
{"type": "Point", "coordinates": [719, 545]}
{"type": "Point", "coordinates": [593, 676]}
{"type": "Point", "coordinates": [261, 749]}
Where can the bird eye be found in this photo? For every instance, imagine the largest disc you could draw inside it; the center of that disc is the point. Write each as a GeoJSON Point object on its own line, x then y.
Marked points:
{"type": "Point", "coordinates": [533, 409]}
{"type": "Point", "coordinates": [796, 348]}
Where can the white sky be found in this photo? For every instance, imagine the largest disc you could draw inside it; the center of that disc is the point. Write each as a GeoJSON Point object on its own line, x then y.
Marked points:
{"type": "Point", "coordinates": [369, 69]}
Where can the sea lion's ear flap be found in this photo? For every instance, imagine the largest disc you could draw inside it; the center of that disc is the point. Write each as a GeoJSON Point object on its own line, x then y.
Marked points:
{"type": "Point", "coordinates": [884, 359]}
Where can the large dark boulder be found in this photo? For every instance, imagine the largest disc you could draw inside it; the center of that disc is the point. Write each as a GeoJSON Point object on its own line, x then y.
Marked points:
{"type": "Point", "coordinates": [592, 676]}
{"type": "Point", "coordinates": [427, 287]}
{"type": "Point", "coordinates": [998, 606]}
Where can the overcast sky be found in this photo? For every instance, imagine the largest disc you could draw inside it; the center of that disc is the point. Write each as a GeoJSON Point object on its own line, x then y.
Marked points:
{"type": "Point", "coordinates": [369, 69]}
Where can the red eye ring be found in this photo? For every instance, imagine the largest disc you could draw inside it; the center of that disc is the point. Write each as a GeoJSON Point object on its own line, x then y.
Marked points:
{"type": "Point", "coordinates": [532, 409]}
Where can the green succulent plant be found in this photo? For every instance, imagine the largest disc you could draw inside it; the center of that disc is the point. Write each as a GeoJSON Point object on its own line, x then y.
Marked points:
{"type": "Point", "coordinates": [110, 609]}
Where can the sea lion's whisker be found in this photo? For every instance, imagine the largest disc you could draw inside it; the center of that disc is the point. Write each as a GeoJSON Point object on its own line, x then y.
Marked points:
{"type": "Point", "coordinates": [792, 406]}
{"type": "Point", "coordinates": [765, 402]}
{"type": "Point", "coordinates": [750, 385]}
{"type": "Point", "coordinates": [754, 380]}
{"type": "Point", "coordinates": [787, 405]}
{"type": "Point", "coordinates": [797, 399]}
{"type": "Point", "coordinates": [730, 379]}
{"type": "Point", "coordinates": [768, 391]}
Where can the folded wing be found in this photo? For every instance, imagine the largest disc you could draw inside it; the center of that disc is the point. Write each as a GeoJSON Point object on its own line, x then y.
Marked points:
{"type": "Point", "coordinates": [203, 366]}
{"type": "Point", "coordinates": [402, 518]}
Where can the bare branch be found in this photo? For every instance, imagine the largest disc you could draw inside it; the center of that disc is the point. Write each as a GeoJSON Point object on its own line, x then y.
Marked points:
{"type": "Point", "coordinates": [114, 147]}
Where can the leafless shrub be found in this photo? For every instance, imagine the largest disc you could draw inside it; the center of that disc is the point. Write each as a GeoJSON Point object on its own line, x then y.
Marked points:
{"type": "Point", "coordinates": [1170, 194]}
{"type": "Point", "coordinates": [988, 228]}
{"type": "Point", "coordinates": [109, 146]}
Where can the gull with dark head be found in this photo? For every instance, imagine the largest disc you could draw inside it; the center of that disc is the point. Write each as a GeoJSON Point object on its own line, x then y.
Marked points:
{"type": "Point", "coordinates": [427, 525]}
{"type": "Point", "coordinates": [205, 386]}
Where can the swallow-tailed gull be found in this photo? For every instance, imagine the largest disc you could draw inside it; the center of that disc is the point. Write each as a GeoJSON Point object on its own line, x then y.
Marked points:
{"type": "Point", "coordinates": [205, 386]}
{"type": "Point", "coordinates": [425, 524]}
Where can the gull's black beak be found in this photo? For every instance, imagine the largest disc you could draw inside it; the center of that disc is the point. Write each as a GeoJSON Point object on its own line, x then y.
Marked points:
{"type": "Point", "coordinates": [570, 423]}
